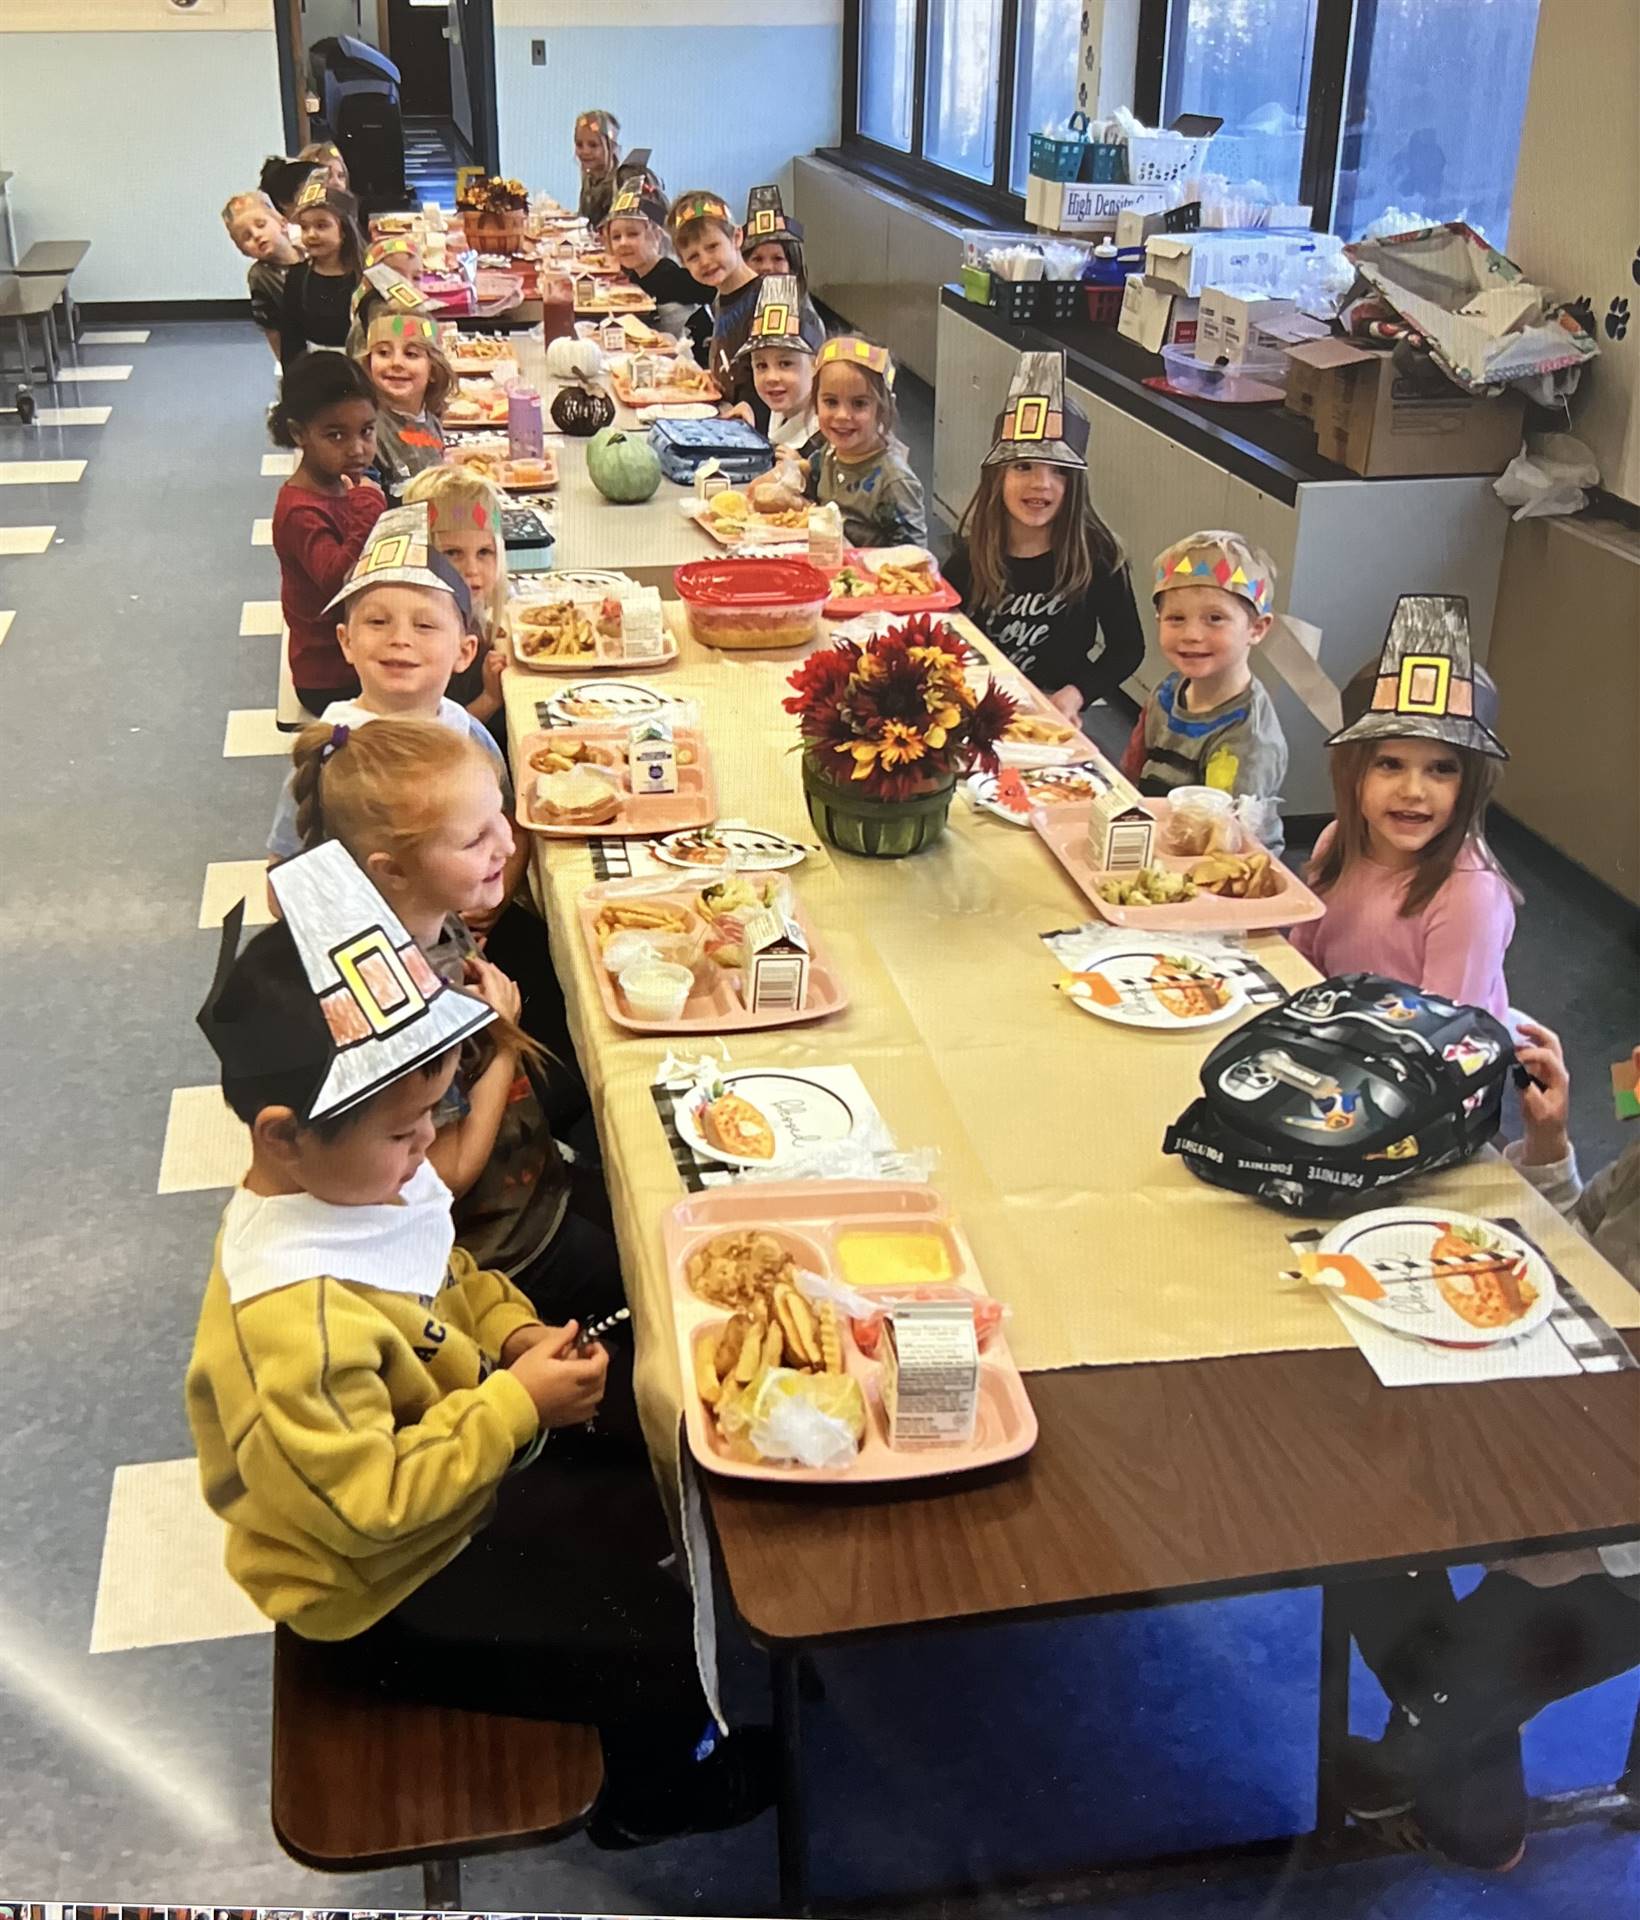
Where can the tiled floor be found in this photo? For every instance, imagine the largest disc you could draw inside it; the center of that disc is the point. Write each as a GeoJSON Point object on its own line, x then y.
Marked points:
{"type": "Point", "coordinates": [138, 765]}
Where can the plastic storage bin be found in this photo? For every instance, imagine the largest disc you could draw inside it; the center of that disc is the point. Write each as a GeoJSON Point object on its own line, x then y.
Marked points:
{"type": "Point", "coordinates": [1105, 163]}
{"type": "Point", "coordinates": [1053, 159]}
{"type": "Point", "coordinates": [1252, 379]}
{"type": "Point", "coordinates": [1060, 300]}
{"type": "Point", "coordinates": [752, 604]}
{"type": "Point", "coordinates": [1017, 301]}
{"type": "Point", "coordinates": [1158, 159]}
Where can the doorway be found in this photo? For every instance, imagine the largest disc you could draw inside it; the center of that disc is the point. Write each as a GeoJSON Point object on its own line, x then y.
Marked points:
{"type": "Point", "coordinates": [444, 51]}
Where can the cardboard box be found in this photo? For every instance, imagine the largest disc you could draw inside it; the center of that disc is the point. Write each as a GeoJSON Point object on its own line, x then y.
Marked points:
{"type": "Point", "coordinates": [1134, 228]}
{"type": "Point", "coordinates": [1377, 423]}
{"type": "Point", "coordinates": [928, 1374]}
{"type": "Point", "coordinates": [652, 759]}
{"type": "Point", "coordinates": [1155, 316]}
{"type": "Point", "coordinates": [1232, 327]}
{"type": "Point", "coordinates": [1121, 831]}
{"type": "Point", "coordinates": [1069, 206]}
{"type": "Point", "coordinates": [1191, 262]}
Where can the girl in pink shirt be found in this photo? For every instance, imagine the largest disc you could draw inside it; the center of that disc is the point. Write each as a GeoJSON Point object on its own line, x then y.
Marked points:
{"type": "Point", "coordinates": [1411, 887]}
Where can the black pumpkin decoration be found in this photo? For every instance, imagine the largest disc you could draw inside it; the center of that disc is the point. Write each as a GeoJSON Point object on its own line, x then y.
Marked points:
{"type": "Point", "coordinates": [581, 411]}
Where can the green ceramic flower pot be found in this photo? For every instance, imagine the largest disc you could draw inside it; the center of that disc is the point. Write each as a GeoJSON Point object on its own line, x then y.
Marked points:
{"type": "Point", "coordinates": [856, 822]}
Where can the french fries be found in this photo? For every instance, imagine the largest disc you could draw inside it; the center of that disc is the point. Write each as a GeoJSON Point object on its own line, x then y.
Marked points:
{"type": "Point", "coordinates": [1236, 876]}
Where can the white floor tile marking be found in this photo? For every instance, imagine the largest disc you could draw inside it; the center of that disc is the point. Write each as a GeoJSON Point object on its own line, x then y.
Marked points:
{"type": "Point", "coordinates": [73, 416]}
{"type": "Point", "coordinates": [206, 1143]}
{"type": "Point", "coordinates": [230, 881]}
{"type": "Point", "coordinates": [39, 473]}
{"type": "Point", "coordinates": [261, 533]}
{"type": "Point", "coordinates": [93, 373]}
{"type": "Point", "coordinates": [162, 1580]}
{"type": "Point", "coordinates": [251, 732]}
{"type": "Point", "coordinates": [25, 539]}
{"type": "Point", "coordinates": [137, 337]}
{"type": "Point", "coordinates": [277, 465]}
{"type": "Point", "coordinates": [260, 616]}
{"type": "Point", "coordinates": [5, 626]}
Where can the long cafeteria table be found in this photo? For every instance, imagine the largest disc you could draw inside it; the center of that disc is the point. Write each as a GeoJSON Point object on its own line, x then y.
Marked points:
{"type": "Point", "coordinates": [1205, 1429]}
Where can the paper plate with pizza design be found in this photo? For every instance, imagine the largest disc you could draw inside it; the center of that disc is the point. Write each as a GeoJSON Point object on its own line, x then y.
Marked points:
{"type": "Point", "coordinates": [761, 1119]}
{"type": "Point", "coordinates": [1448, 1278]}
{"type": "Point", "coordinates": [1145, 984]}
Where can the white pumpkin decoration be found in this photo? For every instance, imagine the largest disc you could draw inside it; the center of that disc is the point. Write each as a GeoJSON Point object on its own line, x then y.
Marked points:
{"type": "Point", "coordinates": [569, 359]}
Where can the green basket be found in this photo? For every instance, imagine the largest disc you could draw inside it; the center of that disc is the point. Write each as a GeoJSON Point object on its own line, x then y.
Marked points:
{"type": "Point", "coordinates": [1053, 159]}
{"type": "Point", "coordinates": [875, 829]}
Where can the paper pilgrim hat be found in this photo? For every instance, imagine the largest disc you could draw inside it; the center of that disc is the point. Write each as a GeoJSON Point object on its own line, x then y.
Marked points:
{"type": "Point", "coordinates": [1039, 423]}
{"type": "Point", "coordinates": [766, 218]}
{"type": "Point", "coordinates": [638, 199]}
{"type": "Point", "coordinates": [385, 1010]}
{"type": "Point", "coordinates": [400, 553]}
{"type": "Point", "coordinates": [1425, 685]}
{"type": "Point", "coordinates": [783, 318]}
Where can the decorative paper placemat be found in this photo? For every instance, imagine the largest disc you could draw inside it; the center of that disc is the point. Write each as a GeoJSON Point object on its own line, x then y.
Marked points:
{"type": "Point", "coordinates": [1574, 1339]}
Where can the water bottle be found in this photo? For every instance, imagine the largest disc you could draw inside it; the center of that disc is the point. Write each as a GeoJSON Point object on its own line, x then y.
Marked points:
{"type": "Point", "coordinates": [526, 429]}
{"type": "Point", "coordinates": [1105, 279]}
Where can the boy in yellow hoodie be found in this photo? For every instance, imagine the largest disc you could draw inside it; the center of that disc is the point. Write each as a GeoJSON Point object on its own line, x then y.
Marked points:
{"type": "Point", "coordinates": [364, 1400]}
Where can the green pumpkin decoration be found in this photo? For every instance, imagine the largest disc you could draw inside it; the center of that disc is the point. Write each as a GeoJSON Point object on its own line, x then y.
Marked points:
{"type": "Point", "coordinates": [580, 410]}
{"type": "Point", "coordinates": [622, 466]}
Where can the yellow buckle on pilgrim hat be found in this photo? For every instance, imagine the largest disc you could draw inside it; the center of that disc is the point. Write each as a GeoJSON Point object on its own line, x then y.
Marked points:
{"type": "Point", "coordinates": [1029, 420]}
{"type": "Point", "coordinates": [1424, 684]}
{"type": "Point", "coordinates": [312, 193]}
{"type": "Point", "coordinates": [394, 551]}
{"type": "Point", "coordinates": [763, 220]}
{"type": "Point", "coordinates": [391, 997]}
{"type": "Point", "coordinates": [774, 319]}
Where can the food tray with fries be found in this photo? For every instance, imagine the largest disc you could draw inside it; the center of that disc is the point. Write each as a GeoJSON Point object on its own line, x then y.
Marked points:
{"type": "Point", "coordinates": [735, 1256]}
{"type": "Point", "coordinates": [741, 529]}
{"type": "Point", "coordinates": [699, 926]}
{"type": "Point", "coordinates": [601, 801]}
{"type": "Point", "coordinates": [493, 458]}
{"type": "Point", "coordinates": [483, 353]}
{"type": "Point", "coordinates": [682, 381]}
{"type": "Point", "coordinates": [889, 580]}
{"type": "Point", "coordinates": [478, 406]}
{"type": "Point", "coordinates": [1218, 894]}
{"type": "Point", "coordinates": [581, 630]}
{"type": "Point", "coordinates": [636, 336]}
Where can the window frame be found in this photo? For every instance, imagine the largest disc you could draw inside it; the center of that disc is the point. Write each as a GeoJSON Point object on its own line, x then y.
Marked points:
{"type": "Point", "coordinates": [1338, 25]}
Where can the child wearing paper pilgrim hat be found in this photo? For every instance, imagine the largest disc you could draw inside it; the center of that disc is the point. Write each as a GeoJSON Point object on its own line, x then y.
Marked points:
{"type": "Point", "coordinates": [413, 379]}
{"type": "Point", "coordinates": [368, 1406]}
{"type": "Point", "coordinates": [784, 342]}
{"type": "Point", "coordinates": [318, 303]}
{"type": "Point", "coordinates": [1412, 888]}
{"type": "Point", "coordinates": [770, 241]}
{"type": "Point", "coordinates": [707, 239]}
{"type": "Point", "coordinates": [863, 465]}
{"type": "Point", "coordinates": [1039, 572]}
{"type": "Point", "coordinates": [636, 236]}
{"type": "Point", "coordinates": [1210, 723]}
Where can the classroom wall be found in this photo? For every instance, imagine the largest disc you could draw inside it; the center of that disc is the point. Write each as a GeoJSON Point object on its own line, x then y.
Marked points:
{"type": "Point", "coordinates": [725, 92]}
{"type": "Point", "coordinates": [129, 128]}
{"type": "Point", "coordinates": [1576, 215]}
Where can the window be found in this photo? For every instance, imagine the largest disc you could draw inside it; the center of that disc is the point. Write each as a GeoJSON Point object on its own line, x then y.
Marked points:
{"type": "Point", "coordinates": [1045, 75]}
{"type": "Point", "coordinates": [887, 70]}
{"type": "Point", "coordinates": [1248, 61]}
{"type": "Point", "coordinates": [962, 85]}
{"type": "Point", "coordinates": [1350, 107]}
{"type": "Point", "coordinates": [1436, 100]}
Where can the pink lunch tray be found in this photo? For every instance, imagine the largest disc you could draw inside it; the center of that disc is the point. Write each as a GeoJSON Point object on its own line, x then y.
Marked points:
{"type": "Point", "coordinates": [1065, 830]}
{"type": "Point", "coordinates": [1031, 699]}
{"type": "Point", "coordinates": [693, 805]}
{"type": "Point", "coordinates": [716, 1006]}
{"type": "Point", "coordinates": [807, 1217]}
{"type": "Point", "coordinates": [942, 600]}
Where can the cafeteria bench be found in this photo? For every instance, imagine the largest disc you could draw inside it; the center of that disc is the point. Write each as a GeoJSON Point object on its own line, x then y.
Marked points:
{"type": "Point", "coordinates": [360, 1780]}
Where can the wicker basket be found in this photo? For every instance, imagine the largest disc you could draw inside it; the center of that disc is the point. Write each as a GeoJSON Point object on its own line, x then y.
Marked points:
{"type": "Point", "coordinates": [1159, 159]}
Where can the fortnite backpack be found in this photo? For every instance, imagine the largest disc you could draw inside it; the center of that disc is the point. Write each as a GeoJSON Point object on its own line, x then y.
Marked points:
{"type": "Point", "coordinates": [1352, 1085]}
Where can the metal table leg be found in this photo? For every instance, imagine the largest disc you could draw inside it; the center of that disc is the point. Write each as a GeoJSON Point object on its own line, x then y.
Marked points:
{"type": "Point", "coordinates": [786, 1677]}
{"type": "Point", "coordinates": [48, 337]}
{"type": "Point", "coordinates": [1333, 1716]}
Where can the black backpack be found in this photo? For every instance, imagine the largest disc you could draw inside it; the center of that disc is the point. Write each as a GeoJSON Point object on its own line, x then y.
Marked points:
{"type": "Point", "coordinates": [1352, 1085]}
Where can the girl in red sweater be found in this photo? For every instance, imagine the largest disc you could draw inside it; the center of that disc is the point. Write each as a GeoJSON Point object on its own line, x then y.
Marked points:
{"type": "Point", "coordinates": [326, 410]}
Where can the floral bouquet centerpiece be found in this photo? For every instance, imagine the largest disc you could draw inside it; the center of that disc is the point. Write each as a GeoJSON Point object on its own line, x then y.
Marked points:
{"type": "Point", "coordinates": [493, 212]}
{"type": "Point", "coordinates": [887, 728]}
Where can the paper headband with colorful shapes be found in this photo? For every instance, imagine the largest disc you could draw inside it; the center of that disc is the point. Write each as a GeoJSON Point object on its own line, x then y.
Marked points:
{"type": "Point", "coordinates": [699, 206]}
{"type": "Point", "coordinates": [849, 350]}
{"type": "Point", "coordinates": [387, 323]}
{"type": "Point", "coordinates": [392, 246]}
{"type": "Point", "coordinates": [1217, 560]}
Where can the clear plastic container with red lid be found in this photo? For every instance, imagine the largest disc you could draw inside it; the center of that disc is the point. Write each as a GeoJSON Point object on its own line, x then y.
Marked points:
{"type": "Point", "coordinates": [752, 604]}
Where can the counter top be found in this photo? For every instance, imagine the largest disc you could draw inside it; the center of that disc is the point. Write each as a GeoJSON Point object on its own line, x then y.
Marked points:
{"type": "Point", "coordinates": [1268, 446]}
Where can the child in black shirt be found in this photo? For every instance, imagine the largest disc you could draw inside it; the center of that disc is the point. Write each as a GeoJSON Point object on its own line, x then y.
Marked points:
{"type": "Point", "coordinates": [1039, 572]}
{"type": "Point", "coordinates": [635, 234]}
{"type": "Point", "coordinates": [318, 304]}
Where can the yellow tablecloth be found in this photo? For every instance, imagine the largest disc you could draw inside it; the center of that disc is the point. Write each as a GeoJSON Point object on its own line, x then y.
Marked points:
{"type": "Point", "coordinates": [1047, 1122]}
